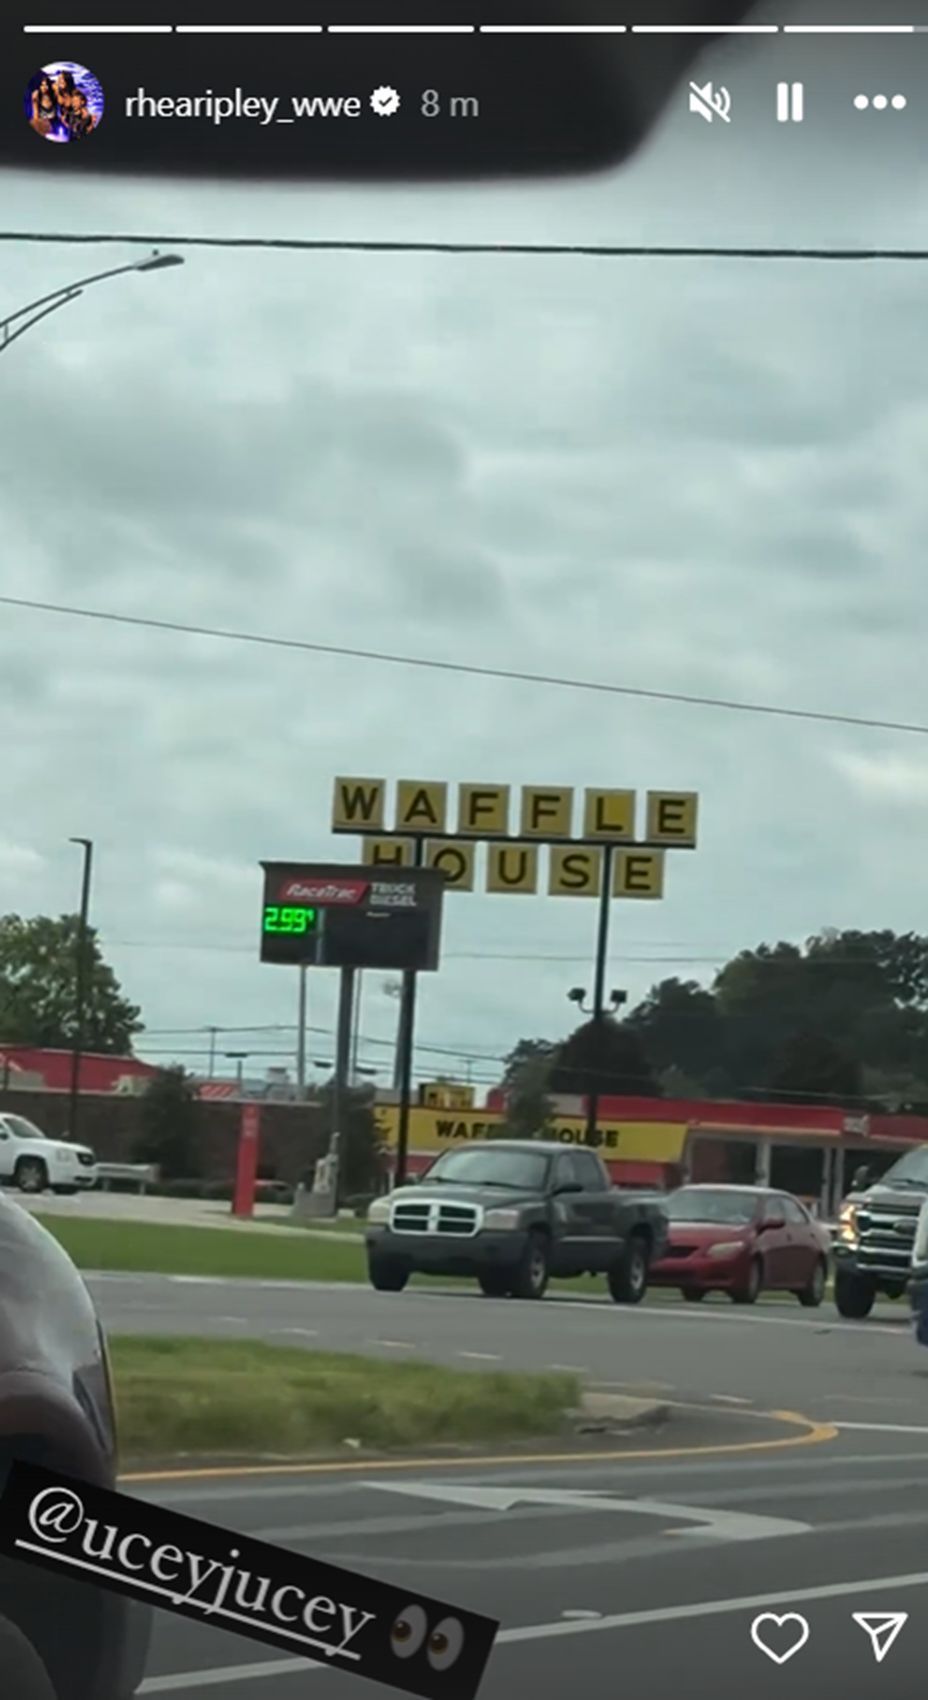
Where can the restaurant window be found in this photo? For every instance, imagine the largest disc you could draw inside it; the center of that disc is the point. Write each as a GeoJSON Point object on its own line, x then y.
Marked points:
{"type": "Point", "coordinates": [727, 1162]}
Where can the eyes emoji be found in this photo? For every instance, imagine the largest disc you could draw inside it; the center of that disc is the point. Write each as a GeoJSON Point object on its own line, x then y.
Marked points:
{"type": "Point", "coordinates": [409, 1632]}
{"type": "Point", "coordinates": [442, 1644]}
{"type": "Point", "coordinates": [445, 1643]}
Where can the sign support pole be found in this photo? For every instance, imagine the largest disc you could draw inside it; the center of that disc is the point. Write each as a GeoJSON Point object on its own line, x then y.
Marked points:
{"type": "Point", "coordinates": [407, 1027]}
{"type": "Point", "coordinates": [301, 1035]}
{"type": "Point", "coordinates": [599, 984]}
{"type": "Point", "coordinates": [342, 1047]}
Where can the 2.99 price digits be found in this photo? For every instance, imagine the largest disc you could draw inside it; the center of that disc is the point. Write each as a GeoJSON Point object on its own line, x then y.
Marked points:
{"type": "Point", "coordinates": [288, 920]}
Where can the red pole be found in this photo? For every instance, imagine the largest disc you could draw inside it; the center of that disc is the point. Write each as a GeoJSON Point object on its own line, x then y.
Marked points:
{"type": "Point", "coordinates": [246, 1170]}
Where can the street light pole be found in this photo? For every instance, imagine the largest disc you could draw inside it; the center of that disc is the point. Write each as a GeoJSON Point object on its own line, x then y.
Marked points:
{"type": "Point", "coordinates": [80, 994]}
{"type": "Point", "coordinates": [70, 292]}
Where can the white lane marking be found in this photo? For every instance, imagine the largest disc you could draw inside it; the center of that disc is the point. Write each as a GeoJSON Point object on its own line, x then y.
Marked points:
{"type": "Point", "coordinates": [569, 1369]}
{"type": "Point", "coordinates": [485, 1357]}
{"type": "Point", "coordinates": [726, 1525]}
{"type": "Point", "coordinates": [882, 1428]}
{"type": "Point", "coordinates": [310, 1333]}
{"type": "Point", "coordinates": [239, 1321]}
{"type": "Point", "coordinates": [546, 1631]}
{"type": "Point", "coordinates": [175, 1683]}
{"type": "Point", "coordinates": [715, 1608]}
{"type": "Point", "coordinates": [578, 1615]}
{"type": "Point", "coordinates": [397, 1345]}
{"type": "Point", "coordinates": [645, 1313]}
{"type": "Point", "coordinates": [728, 1399]}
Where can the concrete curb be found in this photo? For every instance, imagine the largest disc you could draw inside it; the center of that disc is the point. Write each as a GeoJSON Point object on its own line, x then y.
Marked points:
{"type": "Point", "coordinates": [614, 1413]}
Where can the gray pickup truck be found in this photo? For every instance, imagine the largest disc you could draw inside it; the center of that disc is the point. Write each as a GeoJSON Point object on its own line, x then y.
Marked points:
{"type": "Point", "coordinates": [876, 1235]}
{"type": "Point", "coordinates": [513, 1213]}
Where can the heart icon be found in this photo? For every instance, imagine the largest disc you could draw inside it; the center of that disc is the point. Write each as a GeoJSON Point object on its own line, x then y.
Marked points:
{"type": "Point", "coordinates": [797, 1637]}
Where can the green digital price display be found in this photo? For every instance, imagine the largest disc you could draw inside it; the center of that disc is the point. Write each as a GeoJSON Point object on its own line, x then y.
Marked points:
{"type": "Point", "coordinates": [289, 920]}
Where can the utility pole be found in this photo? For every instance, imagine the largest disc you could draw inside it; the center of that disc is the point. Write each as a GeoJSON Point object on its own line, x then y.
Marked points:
{"type": "Point", "coordinates": [80, 997]}
{"type": "Point", "coordinates": [211, 1067]}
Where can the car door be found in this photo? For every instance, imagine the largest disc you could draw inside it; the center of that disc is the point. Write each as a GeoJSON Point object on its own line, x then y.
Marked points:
{"type": "Point", "coordinates": [598, 1205]}
{"type": "Point", "coordinates": [802, 1252]}
{"type": "Point", "coordinates": [574, 1239]}
{"type": "Point", "coordinates": [774, 1243]}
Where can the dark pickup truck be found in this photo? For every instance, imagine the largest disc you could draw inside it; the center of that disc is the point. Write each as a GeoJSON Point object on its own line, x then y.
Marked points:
{"type": "Point", "coordinates": [513, 1213]}
{"type": "Point", "coordinates": [876, 1235]}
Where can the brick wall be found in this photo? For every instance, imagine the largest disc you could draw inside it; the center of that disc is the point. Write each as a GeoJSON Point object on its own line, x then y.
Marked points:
{"type": "Point", "coordinates": [292, 1135]}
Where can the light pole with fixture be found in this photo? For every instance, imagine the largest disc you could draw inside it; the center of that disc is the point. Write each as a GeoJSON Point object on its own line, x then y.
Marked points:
{"type": "Point", "coordinates": [47, 304]}
{"type": "Point", "coordinates": [598, 1014]}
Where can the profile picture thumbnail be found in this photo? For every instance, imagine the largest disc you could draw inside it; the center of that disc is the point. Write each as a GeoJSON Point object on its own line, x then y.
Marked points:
{"type": "Point", "coordinates": [64, 102]}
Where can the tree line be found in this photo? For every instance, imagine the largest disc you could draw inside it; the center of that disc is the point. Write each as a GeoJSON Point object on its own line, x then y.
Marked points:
{"type": "Point", "coordinates": [840, 1020]}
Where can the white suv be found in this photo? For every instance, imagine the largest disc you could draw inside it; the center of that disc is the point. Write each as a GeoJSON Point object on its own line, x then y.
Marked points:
{"type": "Point", "coordinates": [32, 1162]}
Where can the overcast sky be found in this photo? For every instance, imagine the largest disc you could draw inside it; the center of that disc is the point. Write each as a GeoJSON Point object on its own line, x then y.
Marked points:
{"type": "Point", "coordinates": [705, 476]}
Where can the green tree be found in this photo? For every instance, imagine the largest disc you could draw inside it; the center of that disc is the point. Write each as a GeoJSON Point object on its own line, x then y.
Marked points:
{"type": "Point", "coordinates": [170, 1135]}
{"type": "Point", "coordinates": [605, 1057]}
{"type": "Point", "coordinates": [529, 1108]}
{"type": "Point", "coordinates": [38, 988]}
{"type": "Point", "coordinates": [813, 1069]}
{"type": "Point", "coordinates": [682, 1031]}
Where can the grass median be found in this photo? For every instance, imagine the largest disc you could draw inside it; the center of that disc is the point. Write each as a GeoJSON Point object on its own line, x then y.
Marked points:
{"type": "Point", "coordinates": [241, 1398]}
{"type": "Point", "coordinates": [96, 1243]}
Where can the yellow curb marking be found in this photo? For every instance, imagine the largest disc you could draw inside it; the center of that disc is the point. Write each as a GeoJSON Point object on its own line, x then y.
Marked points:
{"type": "Point", "coordinates": [815, 1434]}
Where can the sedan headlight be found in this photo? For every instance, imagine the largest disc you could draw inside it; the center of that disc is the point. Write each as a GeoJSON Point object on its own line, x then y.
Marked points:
{"type": "Point", "coordinates": [379, 1210]}
{"type": "Point", "coordinates": [847, 1224]}
{"type": "Point", "coordinates": [505, 1219]}
{"type": "Point", "coordinates": [725, 1248]}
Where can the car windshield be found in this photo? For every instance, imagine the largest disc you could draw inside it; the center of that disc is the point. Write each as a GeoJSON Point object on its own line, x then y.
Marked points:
{"type": "Point", "coordinates": [512, 1169]}
{"type": "Point", "coordinates": [911, 1170]}
{"type": "Point", "coordinates": [694, 1205]}
{"type": "Point", "coordinates": [23, 1129]}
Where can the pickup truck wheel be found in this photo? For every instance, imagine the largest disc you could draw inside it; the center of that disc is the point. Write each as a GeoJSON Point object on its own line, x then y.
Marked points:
{"type": "Point", "coordinates": [628, 1279]}
{"type": "Point", "coordinates": [531, 1277]}
{"type": "Point", "coordinates": [494, 1283]}
{"type": "Point", "coordinates": [854, 1295]}
{"type": "Point", "coordinates": [750, 1292]}
{"type": "Point", "coordinates": [30, 1174]}
{"type": "Point", "coordinates": [21, 1670]}
{"type": "Point", "coordinates": [812, 1294]}
{"type": "Point", "coordinates": [386, 1275]}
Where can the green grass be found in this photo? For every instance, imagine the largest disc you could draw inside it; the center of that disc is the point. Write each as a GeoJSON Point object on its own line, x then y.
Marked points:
{"type": "Point", "coordinates": [95, 1243]}
{"type": "Point", "coordinates": [242, 1398]}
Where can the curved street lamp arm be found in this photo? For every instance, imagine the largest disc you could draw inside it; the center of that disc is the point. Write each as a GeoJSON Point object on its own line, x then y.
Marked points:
{"type": "Point", "coordinates": [68, 292]}
{"type": "Point", "coordinates": [9, 336]}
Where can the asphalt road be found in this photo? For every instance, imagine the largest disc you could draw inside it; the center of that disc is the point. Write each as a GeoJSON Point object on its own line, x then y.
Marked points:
{"type": "Point", "coordinates": [659, 1582]}
{"type": "Point", "coordinates": [777, 1356]}
{"type": "Point", "coordinates": [655, 1586]}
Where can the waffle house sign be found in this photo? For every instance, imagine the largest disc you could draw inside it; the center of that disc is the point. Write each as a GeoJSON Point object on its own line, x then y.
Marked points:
{"type": "Point", "coordinates": [590, 839]}
{"type": "Point", "coordinates": [433, 1131]}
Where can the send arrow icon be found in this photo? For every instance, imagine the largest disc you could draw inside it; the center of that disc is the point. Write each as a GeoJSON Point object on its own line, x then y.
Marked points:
{"type": "Point", "coordinates": [882, 1628]}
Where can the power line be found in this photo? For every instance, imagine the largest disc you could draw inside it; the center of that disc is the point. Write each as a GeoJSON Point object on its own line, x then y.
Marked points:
{"type": "Point", "coordinates": [470, 669]}
{"type": "Point", "coordinates": [616, 957]}
{"type": "Point", "coordinates": [578, 250]}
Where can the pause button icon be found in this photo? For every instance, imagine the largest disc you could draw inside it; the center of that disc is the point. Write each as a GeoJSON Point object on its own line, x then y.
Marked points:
{"type": "Point", "coordinates": [790, 103]}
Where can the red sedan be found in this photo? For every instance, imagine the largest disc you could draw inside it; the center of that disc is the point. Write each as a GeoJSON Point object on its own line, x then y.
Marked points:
{"type": "Point", "coordinates": [742, 1240]}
